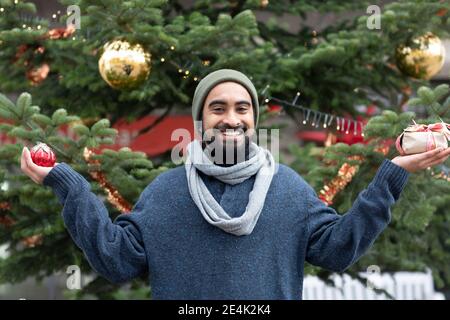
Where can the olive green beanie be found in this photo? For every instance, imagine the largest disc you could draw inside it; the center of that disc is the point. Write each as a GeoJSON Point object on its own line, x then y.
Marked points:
{"type": "Point", "coordinates": [215, 78]}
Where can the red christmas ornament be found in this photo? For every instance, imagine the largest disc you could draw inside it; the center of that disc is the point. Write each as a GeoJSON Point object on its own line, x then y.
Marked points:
{"type": "Point", "coordinates": [42, 155]}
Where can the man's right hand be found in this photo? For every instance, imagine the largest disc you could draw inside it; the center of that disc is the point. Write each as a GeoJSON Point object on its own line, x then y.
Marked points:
{"type": "Point", "coordinates": [35, 172]}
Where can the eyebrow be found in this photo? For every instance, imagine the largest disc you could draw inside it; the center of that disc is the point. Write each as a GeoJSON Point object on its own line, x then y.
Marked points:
{"type": "Point", "coordinates": [223, 102]}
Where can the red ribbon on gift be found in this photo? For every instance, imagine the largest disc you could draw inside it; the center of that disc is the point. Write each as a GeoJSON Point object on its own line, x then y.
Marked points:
{"type": "Point", "coordinates": [441, 127]}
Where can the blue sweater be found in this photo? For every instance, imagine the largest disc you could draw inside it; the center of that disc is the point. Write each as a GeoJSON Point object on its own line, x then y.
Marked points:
{"type": "Point", "coordinates": [187, 258]}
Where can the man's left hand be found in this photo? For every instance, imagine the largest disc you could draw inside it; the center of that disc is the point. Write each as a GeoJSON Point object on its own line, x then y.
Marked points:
{"type": "Point", "coordinates": [420, 161]}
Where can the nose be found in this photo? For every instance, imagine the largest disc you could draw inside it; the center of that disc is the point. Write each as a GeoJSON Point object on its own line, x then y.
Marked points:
{"type": "Point", "coordinates": [232, 119]}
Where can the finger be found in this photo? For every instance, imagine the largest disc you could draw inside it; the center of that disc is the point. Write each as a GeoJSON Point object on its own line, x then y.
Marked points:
{"type": "Point", "coordinates": [33, 176]}
{"type": "Point", "coordinates": [24, 165]}
{"type": "Point", "coordinates": [429, 154]}
{"type": "Point", "coordinates": [30, 163]}
{"type": "Point", "coordinates": [23, 162]}
{"type": "Point", "coordinates": [439, 157]}
{"type": "Point", "coordinates": [447, 151]}
{"type": "Point", "coordinates": [436, 162]}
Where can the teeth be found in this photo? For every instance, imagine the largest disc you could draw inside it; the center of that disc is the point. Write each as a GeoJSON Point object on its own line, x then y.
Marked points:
{"type": "Point", "coordinates": [231, 133]}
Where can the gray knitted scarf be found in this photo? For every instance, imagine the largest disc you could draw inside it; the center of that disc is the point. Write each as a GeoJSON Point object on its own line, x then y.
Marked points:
{"type": "Point", "coordinates": [260, 162]}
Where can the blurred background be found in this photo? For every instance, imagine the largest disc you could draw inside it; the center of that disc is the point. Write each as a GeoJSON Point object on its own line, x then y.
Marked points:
{"type": "Point", "coordinates": [340, 80]}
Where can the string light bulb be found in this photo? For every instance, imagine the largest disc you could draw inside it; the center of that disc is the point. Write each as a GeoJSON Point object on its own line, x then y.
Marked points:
{"type": "Point", "coordinates": [296, 97]}
{"type": "Point", "coordinates": [318, 120]}
{"type": "Point", "coordinates": [314, 120]}
{"type": "Point", "coordinates": [162, 59]}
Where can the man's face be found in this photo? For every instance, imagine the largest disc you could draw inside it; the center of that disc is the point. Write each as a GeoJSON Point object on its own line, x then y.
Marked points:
{"type": "Point", "coordinates": [228, 114]}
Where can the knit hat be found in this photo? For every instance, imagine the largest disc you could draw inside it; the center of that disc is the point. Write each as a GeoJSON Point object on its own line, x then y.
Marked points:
{"type": "Point", "coordinates": [215, 78]}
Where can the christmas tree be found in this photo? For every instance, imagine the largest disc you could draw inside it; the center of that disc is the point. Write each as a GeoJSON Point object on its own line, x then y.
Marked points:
{"type": "Point", "coordinates": [59, 73]}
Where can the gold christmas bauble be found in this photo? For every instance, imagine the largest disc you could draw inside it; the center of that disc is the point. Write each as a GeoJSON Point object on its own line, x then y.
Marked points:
{"type": "Point", "coordinates": [422, 58]}
{"type": "Point", "coordinates": [123, 65]}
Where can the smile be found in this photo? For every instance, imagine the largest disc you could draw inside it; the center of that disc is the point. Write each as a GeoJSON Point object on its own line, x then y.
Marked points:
{"type": "Point", "coordinates": [231, 133]}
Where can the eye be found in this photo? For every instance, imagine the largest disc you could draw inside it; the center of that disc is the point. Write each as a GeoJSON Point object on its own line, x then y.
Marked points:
{"type": "Point", "coordinates": [217, 109]}
{"type": "Point", "coordinates": [242, 109]}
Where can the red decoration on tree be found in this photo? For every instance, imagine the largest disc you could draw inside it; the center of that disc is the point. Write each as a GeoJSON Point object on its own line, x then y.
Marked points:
{"type": "Point", "coordinates": [42, 155]}
{"type": "Point", "coordinates": [442, 12]}
{"type": "Point", "coordinates": [275, 108]}
{"type": "Point", "coordinates": [37, 74]}
{"type": "Point", "coordinates": [32, 241]}
{"type": "Point", "coordinates": [114, 195]}
{"type": "Point", "coordinates": [60, 33]}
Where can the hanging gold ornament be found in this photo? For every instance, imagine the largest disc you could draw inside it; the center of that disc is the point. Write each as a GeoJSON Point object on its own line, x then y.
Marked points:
{"type": "Point", "coordinates": [422, 58]}
{"type": "Point", "coordinates": [264, 3]}
{"type": "Point", "coordinates": [123, 65]}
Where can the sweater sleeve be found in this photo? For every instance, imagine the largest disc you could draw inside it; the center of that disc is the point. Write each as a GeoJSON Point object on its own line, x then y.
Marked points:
{"type": "Point", "coordinates": [114, 249]}
{"type": "Point", "coordinates": [335, 241]}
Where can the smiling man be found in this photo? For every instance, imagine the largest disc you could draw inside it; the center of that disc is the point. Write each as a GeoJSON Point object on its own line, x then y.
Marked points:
{"type": "Point", "coordinates": [215, 229]}
{"type": "Point", "coordinates": [227, 120]}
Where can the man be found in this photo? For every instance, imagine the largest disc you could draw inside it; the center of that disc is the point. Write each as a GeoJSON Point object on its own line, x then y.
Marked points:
{"type": "Point", "coordinates": [215, 230]}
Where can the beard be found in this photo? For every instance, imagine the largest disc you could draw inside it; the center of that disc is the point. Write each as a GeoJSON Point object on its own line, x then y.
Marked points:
{"type": "Point", "coordinates": [227, 145]}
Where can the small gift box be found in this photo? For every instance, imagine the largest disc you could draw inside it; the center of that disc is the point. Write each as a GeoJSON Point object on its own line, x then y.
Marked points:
{"type": "Point", "coordinates": [418, 138]}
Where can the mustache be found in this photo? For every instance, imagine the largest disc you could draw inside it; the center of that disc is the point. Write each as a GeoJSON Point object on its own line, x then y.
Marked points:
{"type": "Point", "coordinates": [225, 126]}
